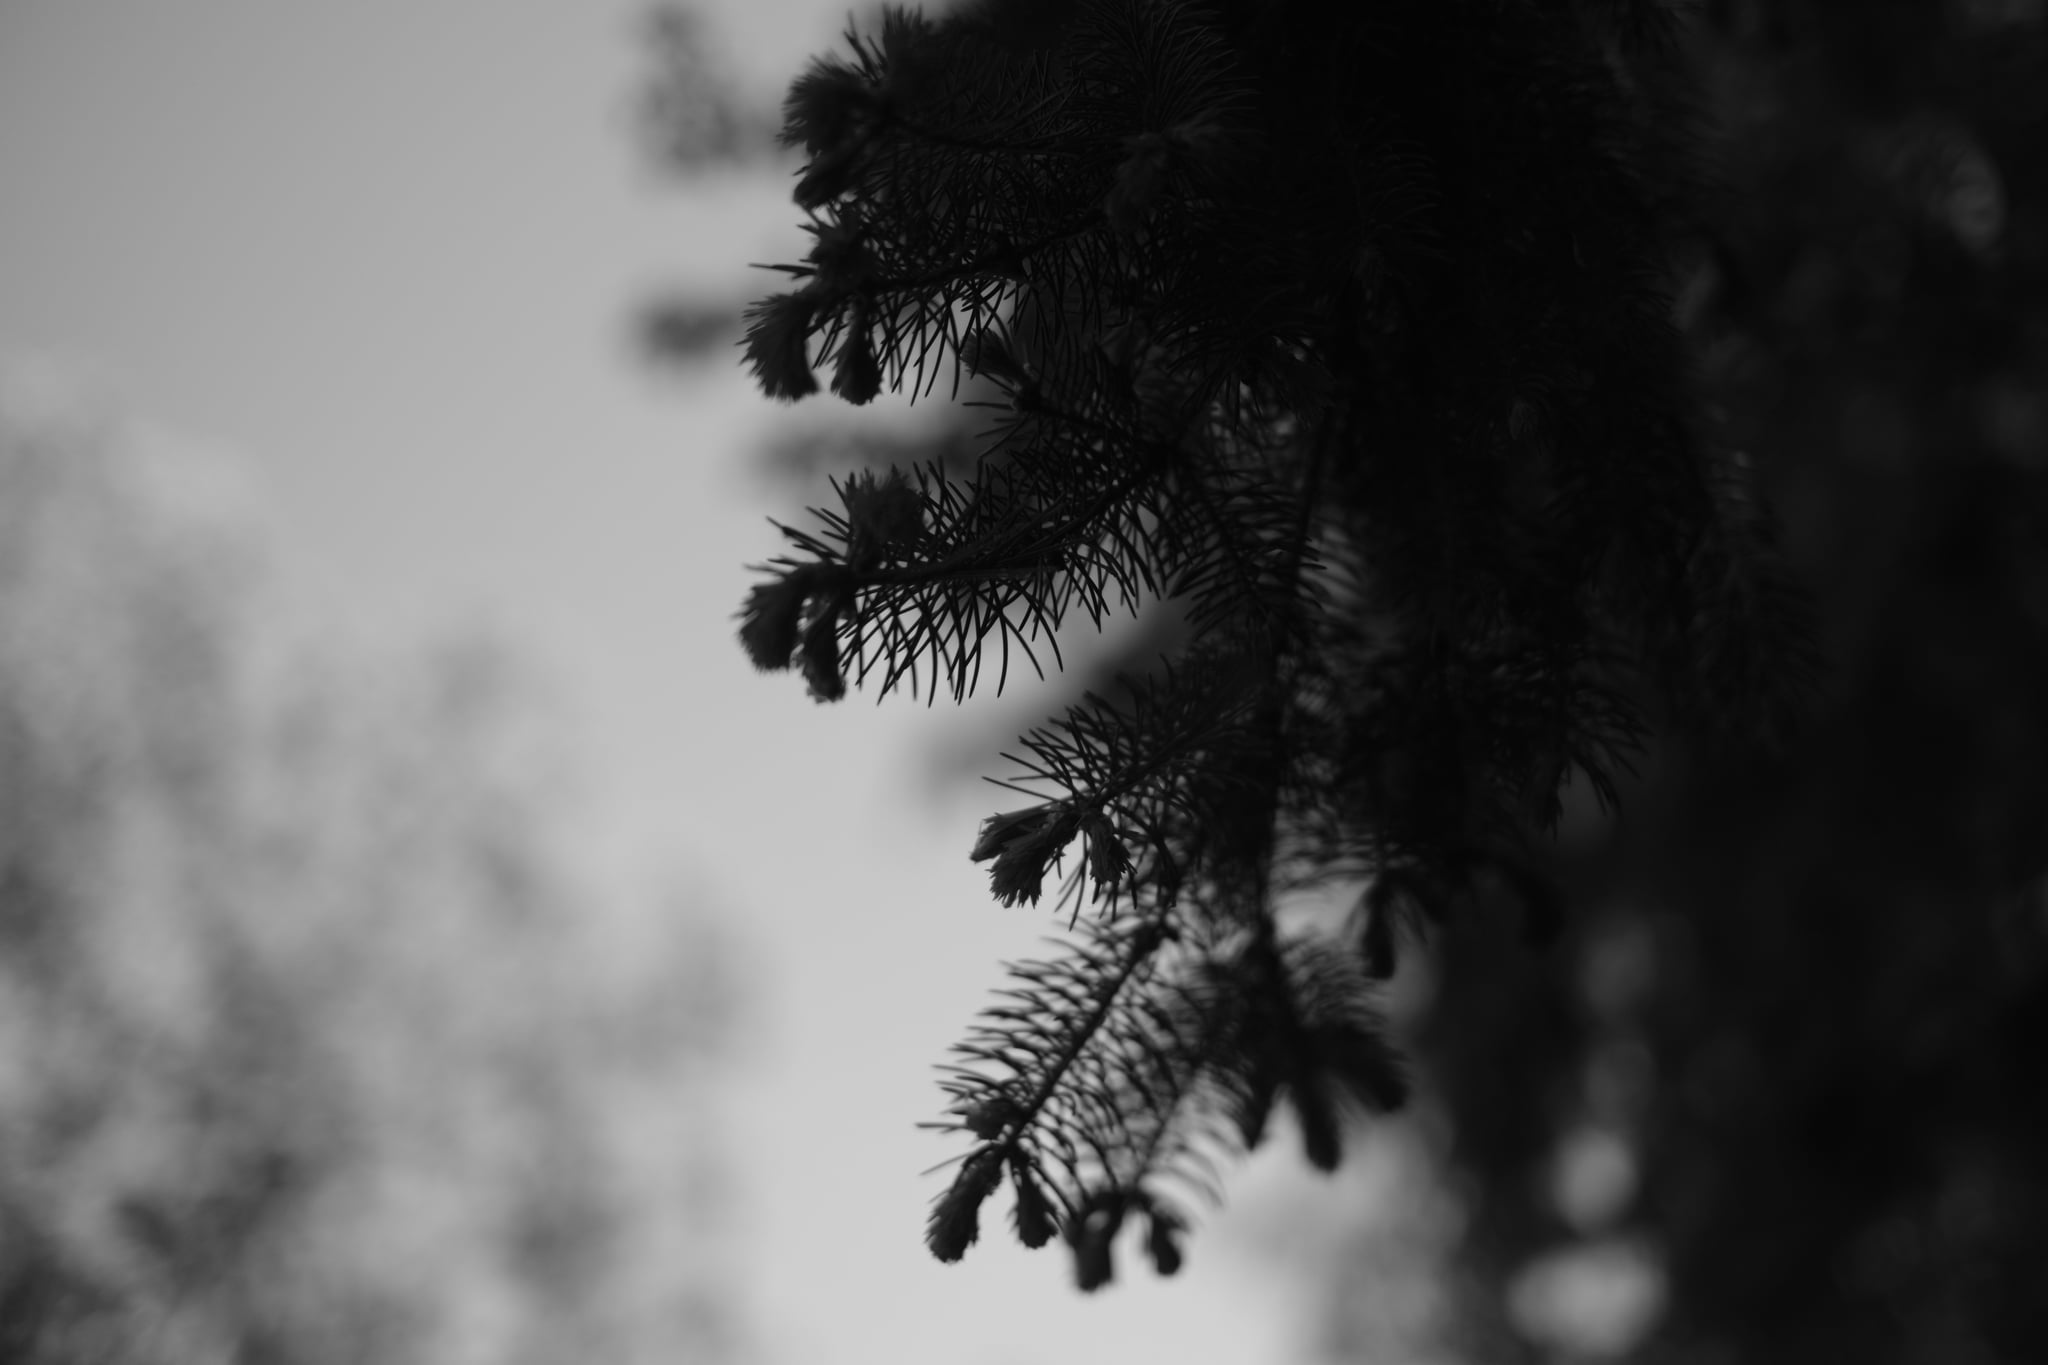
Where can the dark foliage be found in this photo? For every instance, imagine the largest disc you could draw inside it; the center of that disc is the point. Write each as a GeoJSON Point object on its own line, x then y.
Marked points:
{"type": "Point", "coordinates": [1809, 997]}
{"type": "Point", "coordinates": [1348, 328]}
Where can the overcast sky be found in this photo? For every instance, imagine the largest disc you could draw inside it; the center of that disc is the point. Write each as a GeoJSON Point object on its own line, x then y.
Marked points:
{"type": "Point", "coordinates": [389, 252]}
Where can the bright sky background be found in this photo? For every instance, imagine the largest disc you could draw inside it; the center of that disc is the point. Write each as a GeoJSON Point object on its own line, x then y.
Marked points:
{"type": "Point", "coordinates": [389, 251]}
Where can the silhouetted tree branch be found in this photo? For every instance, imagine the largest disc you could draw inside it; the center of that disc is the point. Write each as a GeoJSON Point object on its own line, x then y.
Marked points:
{"type": "Point", "coordinates": [1348, 329]}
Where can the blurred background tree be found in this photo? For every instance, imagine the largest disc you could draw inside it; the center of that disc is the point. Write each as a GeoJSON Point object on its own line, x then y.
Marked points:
{"type": "Point", "coordinates": [1777, 1096]}
{"type": "Point", "coordinates": [314, 1044]}
{"type": "Point", "coordinates": [695, 120]}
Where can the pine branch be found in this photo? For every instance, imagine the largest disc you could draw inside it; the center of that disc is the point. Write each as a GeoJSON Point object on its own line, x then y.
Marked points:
{"type": "Point", "coordinates": [1345, 329]}
{"type": "Point", "coordinates": [1109, 1080]}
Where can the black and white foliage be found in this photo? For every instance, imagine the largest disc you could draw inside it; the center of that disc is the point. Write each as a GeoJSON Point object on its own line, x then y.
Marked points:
{"type": "Point", "coordinates": [1345, 327]}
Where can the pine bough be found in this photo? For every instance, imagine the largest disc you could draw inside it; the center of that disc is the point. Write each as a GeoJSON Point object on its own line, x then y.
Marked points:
{"type": "Point", "coordinates": [1348, 330]}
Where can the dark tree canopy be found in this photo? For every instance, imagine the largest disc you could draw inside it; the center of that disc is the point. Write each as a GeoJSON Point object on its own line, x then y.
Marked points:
{"type": "Point", "coordinates": [1809, 998]}
{"type": "Point", "coordinates": [1351, 330]}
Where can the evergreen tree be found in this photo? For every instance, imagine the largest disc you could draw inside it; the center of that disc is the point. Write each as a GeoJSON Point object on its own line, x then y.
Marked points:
{"type": "Point", "coordinates": [1347, 329]}
{"type": "Point", "coordinates": [1800, 1011]}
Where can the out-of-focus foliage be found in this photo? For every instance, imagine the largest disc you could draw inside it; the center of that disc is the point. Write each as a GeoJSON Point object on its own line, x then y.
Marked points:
{"type": "Point", "coordinates": [311, 1047]}
{"type": "Point", "coordinates": [1779, 1095]}
{"type": "Point", "coordinates": [695, 119]}
{"type": "Point", "coordinates": [694, 114]}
